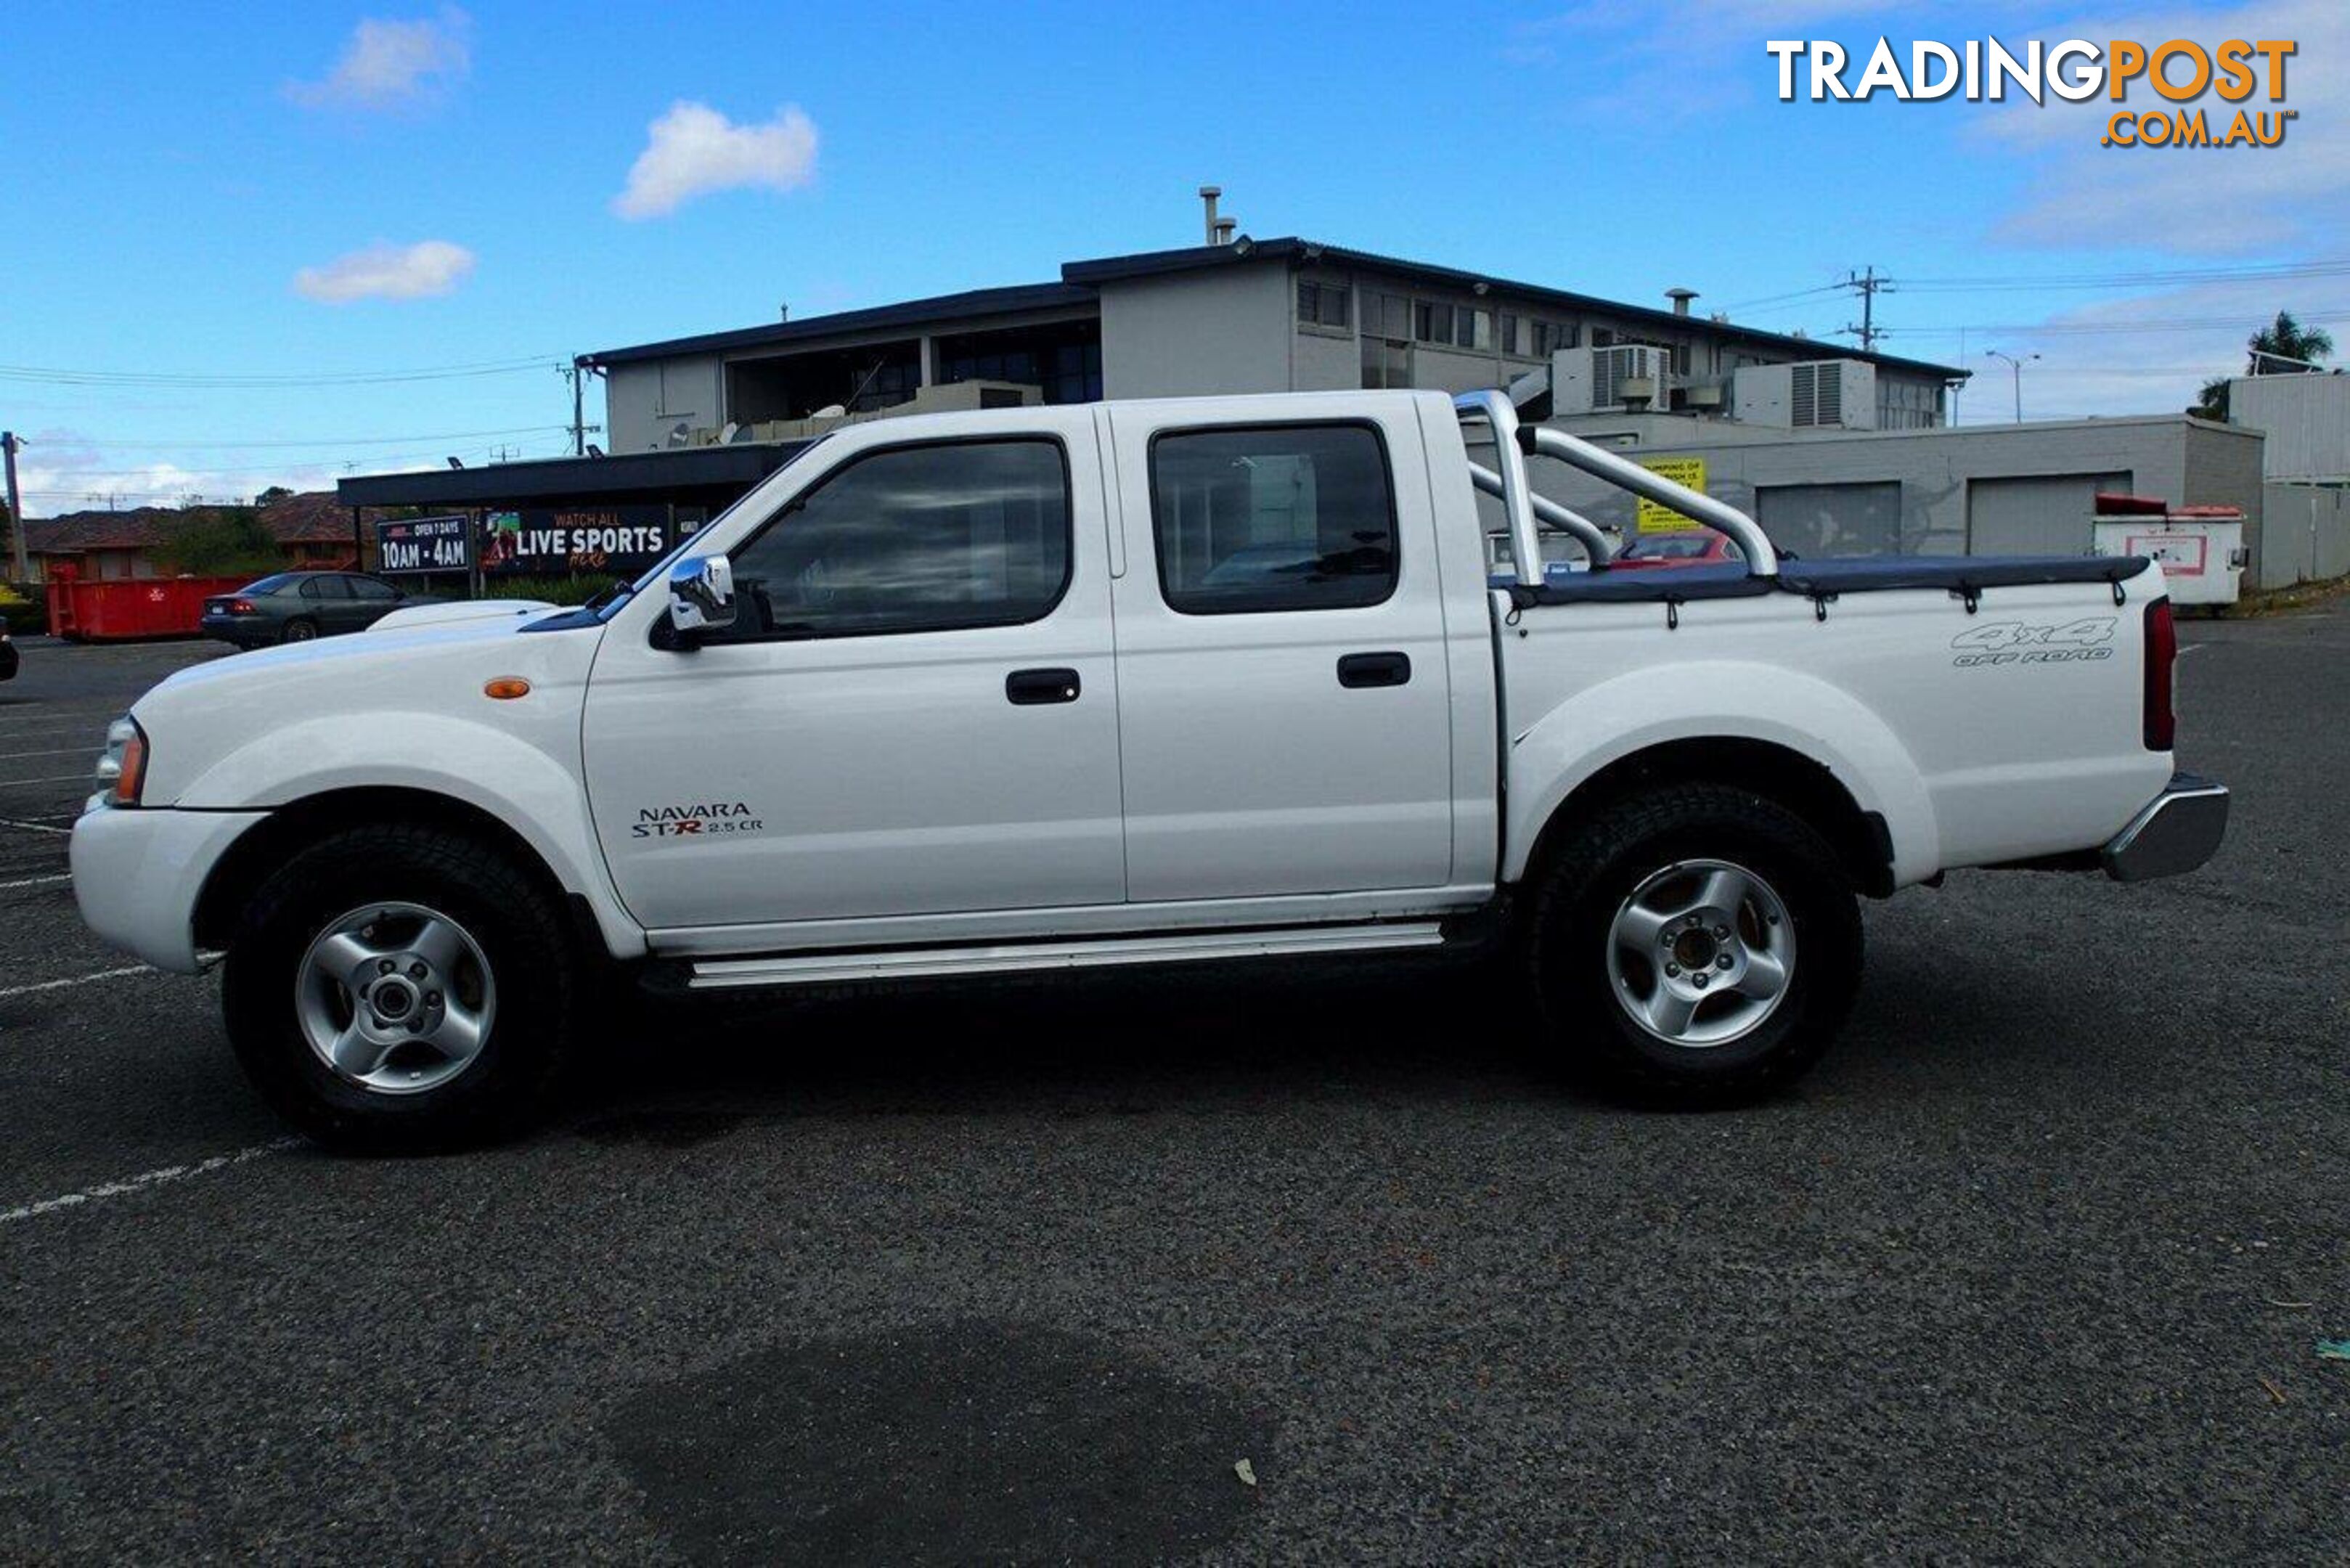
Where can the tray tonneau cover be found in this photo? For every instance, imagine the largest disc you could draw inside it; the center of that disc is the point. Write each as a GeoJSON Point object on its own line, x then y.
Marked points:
{"type": "Point", "coordinates": [1967, 575]}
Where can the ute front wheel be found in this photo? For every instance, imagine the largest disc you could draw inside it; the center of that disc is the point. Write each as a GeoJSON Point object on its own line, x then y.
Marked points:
{"type": "Point", "coordinates": [401, 989]}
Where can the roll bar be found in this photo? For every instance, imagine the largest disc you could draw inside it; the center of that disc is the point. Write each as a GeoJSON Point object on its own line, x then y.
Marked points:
{"type": "Point", "coordinates": [1515, 442]}
{"type": "Point", "coordinates": [1510, 478]}
{"type": "Point", "coordinates": [1589, 534]}
{"type": "Point", "coordinates": [1761, 558]}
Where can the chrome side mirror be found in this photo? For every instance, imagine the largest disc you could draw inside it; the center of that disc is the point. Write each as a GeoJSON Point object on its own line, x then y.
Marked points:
{"type": "Point", "coordinates": [702, 594]}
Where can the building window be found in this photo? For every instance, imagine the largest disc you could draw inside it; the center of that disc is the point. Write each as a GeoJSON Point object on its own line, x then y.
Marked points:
{"type": "Point", "coordinates": [1509, 330]}
{"type": "Point", "coordinates": [1550, 337]}
{"type": "Point", "coordinates": [922, 538]}
{"type": "Point", "coordinates": [1321, 304]}
{"type": "Point", "coordinates": [1454, 325]}
{"type": "Point", "coordinates": [1287, 517]}
{"type": "Point", "coordinates": [1386, 362]}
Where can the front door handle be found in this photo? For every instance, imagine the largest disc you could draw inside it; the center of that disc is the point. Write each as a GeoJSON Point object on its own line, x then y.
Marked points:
{"type": "Point", "coordinates": [1028, 688]}
{"type": "Point", "coordinates": [1359, 670]}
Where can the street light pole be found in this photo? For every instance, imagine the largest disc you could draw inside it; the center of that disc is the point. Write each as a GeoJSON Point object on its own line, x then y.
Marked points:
{"type": "Point", "coordinates": [2015, 370]}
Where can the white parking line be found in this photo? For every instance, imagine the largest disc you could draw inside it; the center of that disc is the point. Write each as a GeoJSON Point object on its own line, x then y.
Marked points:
{"type": "Point", "coordinates": [7, 991]}
{"type": "Point", "coordinates": [52, 778]}
{"type": "Point", "coordinates": [35, 881]}
{"type": "Point", "coordinates": [34, 826]}
{"type": "Point", "coordinates": [148, 1179]}
{"type": "Point", "coordinates": [57, 751]}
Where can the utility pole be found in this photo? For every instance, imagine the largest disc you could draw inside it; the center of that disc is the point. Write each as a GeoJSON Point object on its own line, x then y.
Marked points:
{"type": "Point", "coordinates": [9, 444]}
{"type": "Point", "coordinates": [1868, 286]}
{"type": "Point", "coordinates": [574, 373]}
{"type": "Point", "coordinates": [2015, 370]}
{"type": "Point", "coordinates": [577, 373]}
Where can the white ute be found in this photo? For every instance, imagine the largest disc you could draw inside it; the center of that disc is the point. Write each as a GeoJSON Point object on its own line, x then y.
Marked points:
{"type": "Point", "coordinates": [1129, 683]}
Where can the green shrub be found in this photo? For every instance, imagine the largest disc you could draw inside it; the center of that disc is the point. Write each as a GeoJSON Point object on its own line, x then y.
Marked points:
{"type": "Point", "coordinates": [24, 608]}
{"type": "Point", "coordinates": [566, 590]}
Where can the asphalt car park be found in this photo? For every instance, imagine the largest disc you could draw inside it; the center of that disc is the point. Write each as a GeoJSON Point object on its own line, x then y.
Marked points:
{"type": "Point", "coordinates": [2035, 1266]}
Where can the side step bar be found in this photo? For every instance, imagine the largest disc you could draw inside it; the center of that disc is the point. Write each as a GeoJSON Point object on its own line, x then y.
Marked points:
{"type": "Point", "coordinates": [1012, 958]}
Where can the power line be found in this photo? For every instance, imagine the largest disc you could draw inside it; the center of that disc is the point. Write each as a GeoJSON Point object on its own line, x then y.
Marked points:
{"type": "Point", "coordinates": [199, 445]}
{"type": "Point", "coordinates": [2267, 272]}
{"type": "Point", "coordinates": [54, 376]}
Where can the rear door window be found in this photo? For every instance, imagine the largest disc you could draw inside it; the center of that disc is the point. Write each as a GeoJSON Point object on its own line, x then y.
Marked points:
{"type": "Point", "coordinates": [1272, 517]}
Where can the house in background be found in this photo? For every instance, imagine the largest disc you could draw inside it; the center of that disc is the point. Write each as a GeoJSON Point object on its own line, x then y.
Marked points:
{"type": "Point", "coordinates": [311, 531]}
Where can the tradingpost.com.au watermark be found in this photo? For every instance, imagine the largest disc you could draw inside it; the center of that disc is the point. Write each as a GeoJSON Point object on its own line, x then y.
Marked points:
{"type": "Point", "coordinates": [2240, 71]}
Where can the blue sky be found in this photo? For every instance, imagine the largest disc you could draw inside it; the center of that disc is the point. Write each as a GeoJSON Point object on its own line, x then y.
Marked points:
{"type": "Point", "coordinates": [187, 187]}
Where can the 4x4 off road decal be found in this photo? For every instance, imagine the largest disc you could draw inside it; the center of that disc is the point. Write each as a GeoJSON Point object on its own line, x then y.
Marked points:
{"type": "Point", "coordinates": [706, 819]}
{"type": "Point", "coordinates": [2022, 642]}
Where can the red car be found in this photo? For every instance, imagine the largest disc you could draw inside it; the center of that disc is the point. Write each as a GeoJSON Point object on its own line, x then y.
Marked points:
{"type": "Point", "coordinates": [1682, 547]}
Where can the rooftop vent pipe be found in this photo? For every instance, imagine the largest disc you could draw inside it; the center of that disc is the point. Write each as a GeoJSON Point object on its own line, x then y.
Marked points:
{"type": "Point", "coordinates": [1208, 194]}
{"type": "Point", "coordinates": [1680, 298]}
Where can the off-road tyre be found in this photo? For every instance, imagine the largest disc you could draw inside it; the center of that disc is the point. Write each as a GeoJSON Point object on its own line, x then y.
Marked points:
{"type": "Point", "coordinates": [514, 923]}
{"type": "Point", "coordinates": [1587, 1011]}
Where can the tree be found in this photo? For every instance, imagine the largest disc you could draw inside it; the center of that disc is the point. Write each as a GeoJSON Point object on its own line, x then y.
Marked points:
{"type": "Point", "coordinates": [219, 542]}
{"type": "Point", "coordinates": [2211, 402]}
{"type": "Point", "coordinates": [2288, 340]}
{"type": "Point", "coordinates": [273, 494]}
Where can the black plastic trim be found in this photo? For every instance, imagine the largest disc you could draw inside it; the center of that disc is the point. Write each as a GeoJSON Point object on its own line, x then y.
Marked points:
{"type": "Point", "coordinates": [1966, 574]}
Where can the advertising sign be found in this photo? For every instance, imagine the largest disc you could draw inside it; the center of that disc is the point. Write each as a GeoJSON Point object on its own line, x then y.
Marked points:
{"type": "Point", "coordinates": [1687, 472]}
{"type": "Point", "coordinates": [424, 545]}
{"type": "Point", "coordinates": [608, 541]}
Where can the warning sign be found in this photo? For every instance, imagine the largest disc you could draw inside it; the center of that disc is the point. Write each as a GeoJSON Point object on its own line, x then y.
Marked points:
{"type": "Point", "coordinates": [1686, 471]}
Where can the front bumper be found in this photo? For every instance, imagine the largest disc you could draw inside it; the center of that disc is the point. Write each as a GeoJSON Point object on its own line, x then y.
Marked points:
{"type": "Point", "coordinates": [2179, 829]}
{"type": "Point", "coordinates": [139, 870]}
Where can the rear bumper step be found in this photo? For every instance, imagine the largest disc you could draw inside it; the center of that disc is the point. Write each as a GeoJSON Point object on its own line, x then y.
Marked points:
{"type": "Point", "coordinates": [2179, 829]}
{"type": "Point", "coordinates": [1012, 958]}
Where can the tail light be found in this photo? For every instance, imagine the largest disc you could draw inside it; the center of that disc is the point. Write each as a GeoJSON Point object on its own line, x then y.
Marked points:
{"type": "Point", "coordinates": [240, 607]}
{"type": "Point", "coordinates": [2161, 653]}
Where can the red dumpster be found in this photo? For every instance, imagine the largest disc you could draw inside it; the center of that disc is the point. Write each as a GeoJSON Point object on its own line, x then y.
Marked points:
{"type": "Point", "coordinates": [129, 606]}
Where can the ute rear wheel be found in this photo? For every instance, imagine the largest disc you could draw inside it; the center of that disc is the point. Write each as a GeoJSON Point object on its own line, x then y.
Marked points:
{"type": "Point", "coordinates": [1698, 943]}
{"type": "Point", "coordinates": [401, 989]}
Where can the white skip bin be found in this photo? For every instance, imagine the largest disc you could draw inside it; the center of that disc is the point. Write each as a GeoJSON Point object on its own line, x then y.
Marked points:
{"type": "Point", "coordinates": [2201, 548]}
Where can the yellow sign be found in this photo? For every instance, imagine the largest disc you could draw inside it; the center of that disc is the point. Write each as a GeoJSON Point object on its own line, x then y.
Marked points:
{"type": "Point", "coordinates": [1687, 472]}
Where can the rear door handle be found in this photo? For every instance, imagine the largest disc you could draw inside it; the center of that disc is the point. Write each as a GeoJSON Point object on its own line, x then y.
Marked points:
{"type": "Point", "coordinates": [1027, 688]}
{"type": "Point", "coordinates": [1358, 670]}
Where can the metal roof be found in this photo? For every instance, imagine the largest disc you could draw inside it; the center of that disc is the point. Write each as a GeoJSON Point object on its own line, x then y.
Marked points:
{"type": "Point", "coordinates": [911, 313]}
{"type": "Point", "coordinates": [689, 473]}
{"type": "Point", "coordinates": [1292, 249]}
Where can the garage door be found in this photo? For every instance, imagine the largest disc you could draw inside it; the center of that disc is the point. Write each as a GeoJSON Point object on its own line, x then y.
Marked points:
{"type": "Point", "coordinates": [2045, 516]}
{"type": "Point", "coordinates": [1815, 520]}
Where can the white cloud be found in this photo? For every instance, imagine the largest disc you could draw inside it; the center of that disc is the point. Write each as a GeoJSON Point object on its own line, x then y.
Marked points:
{"type": "Point", "coordinates": [62, 471]}
{"type": "Point", "coordinates": [693, 151]}
{"type": "Point", "coordinates": [2087, 196]}
{"type": "Point", "coordinates": [393, 65]}
{"type": "Point", "coordinates": [382, 271]}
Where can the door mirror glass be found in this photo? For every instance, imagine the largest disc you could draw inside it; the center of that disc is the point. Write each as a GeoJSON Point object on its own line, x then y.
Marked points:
{"type": "Point", "coordinates": [702, 594]}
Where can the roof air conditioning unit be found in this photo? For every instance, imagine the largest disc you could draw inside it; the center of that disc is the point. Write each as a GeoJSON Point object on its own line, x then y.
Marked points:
{"type": "Point", "coordinates": [1632, 375]}
{"type": "Point", "coordinates": [1813, 394]}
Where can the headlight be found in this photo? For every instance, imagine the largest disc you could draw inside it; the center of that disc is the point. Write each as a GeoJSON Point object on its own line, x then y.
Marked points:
{"type": "Point", "coordinates": [124, 767]}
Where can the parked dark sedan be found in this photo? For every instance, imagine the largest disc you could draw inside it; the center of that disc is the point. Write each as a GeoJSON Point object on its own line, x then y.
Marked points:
{"type": "Point", "coordinates": [295, 606]}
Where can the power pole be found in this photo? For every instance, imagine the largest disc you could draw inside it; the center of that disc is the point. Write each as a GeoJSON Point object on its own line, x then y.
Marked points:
{"type": "Point", "coordinates": [1868, 286]}
{"type": "Point", "coordinates": [9, 444]}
